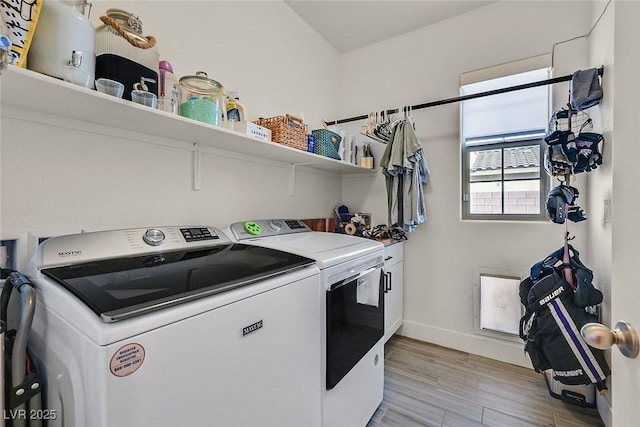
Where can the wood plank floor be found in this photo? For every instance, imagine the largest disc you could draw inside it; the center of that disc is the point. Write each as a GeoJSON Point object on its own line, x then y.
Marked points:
{"type": "Point", "coordinates": [429, 385]}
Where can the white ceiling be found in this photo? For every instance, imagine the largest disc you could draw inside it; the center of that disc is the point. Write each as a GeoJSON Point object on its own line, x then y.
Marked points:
{"type": "Point", "coordinates": [351, 24]}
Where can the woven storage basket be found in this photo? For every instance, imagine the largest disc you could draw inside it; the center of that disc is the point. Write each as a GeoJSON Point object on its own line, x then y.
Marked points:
{"type": "Point", "coordinates": [286, 130]}
{"type": "Point", "coordinates": [327, 143]}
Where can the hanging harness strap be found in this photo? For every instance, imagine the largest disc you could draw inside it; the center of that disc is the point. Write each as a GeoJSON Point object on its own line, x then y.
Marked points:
{"type": "Point", "coordinates": [586, 294]}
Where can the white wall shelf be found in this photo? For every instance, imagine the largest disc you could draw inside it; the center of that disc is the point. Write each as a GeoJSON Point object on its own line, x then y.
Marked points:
{"type": "Point", "coordinates": [31, 91]}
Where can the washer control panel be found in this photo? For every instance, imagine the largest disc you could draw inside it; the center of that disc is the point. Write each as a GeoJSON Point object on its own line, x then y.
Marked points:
{"type": "Point", "coordinates": [267, 228]}
{"type": "Point", "coordinates": [84, 247]}
{"type": "Point", "coordinates": [198, 234]}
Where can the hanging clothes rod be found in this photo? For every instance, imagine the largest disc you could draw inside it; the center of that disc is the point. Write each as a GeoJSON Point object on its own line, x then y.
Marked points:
{"type": "Point", "coordinates": [468, 97]}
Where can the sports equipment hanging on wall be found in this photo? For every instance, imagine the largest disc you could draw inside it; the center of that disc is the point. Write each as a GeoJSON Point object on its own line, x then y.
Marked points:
{"type": "Point", "coordinates": [555, 311]}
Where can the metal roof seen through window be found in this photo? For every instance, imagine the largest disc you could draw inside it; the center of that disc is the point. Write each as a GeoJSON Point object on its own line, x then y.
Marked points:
{"type": "Point", "coordinates": [517, 157]}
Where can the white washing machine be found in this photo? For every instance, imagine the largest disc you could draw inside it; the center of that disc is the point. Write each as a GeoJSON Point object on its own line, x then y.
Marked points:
{"type": "Point", "coordinates": [352, 303]}
{"type": "Point", "coordinates": [175, 326]}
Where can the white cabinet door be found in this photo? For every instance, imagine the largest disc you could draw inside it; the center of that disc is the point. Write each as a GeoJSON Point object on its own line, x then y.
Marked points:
{"type": "Point", "coordinates": [394, 289]}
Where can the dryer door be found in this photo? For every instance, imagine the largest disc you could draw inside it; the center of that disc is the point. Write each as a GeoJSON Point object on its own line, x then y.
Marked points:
{"type": "Point", "coordinates": [355, 321]}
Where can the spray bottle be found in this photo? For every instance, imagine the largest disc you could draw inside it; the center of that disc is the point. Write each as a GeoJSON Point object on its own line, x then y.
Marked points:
{"type": "Point", "coordinates": [169, 95]}
{"type": "Point", "coordinates": [235, 110]}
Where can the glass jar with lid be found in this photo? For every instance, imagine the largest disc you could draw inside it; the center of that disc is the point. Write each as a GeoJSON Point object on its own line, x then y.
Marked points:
{"type": "Point", "coordinates": [201, 98]}
{"type": "Point", "coordinates": [124, 53]}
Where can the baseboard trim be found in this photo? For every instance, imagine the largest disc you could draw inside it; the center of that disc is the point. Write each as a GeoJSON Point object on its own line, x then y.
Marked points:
{"type": "Point", "coordinates": [604, 409]}
{"type": "Point", "coordinates": [481, 345]}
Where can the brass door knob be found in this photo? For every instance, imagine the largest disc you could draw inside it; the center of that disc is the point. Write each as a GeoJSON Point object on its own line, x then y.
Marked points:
{"type": "Point", "coordinates": [601, 337]}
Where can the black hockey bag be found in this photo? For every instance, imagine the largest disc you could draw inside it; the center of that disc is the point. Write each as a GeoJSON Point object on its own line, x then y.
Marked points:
{"type": "Point", "coordinates": [550, 327]}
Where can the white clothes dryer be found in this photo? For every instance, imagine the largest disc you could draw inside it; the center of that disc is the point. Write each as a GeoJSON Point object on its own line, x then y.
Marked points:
{"type": "Point", "coordinates": [352, 305]}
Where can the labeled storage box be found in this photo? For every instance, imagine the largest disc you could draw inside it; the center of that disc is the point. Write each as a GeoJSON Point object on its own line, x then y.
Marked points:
{"type": "Point", "coordinates": [249, 128]}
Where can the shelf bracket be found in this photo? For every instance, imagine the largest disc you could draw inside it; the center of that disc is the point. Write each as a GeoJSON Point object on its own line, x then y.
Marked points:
{"type": "Point", "coordinates": [292, 176]}
{"type": "Point", "coordinates": [196, 168]}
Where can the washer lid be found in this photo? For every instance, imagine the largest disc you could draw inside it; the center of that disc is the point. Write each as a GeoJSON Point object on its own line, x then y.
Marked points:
{"type": "Point", "coordinates": [120, 288]}
{"type": "Point", "coordinates": [328, 249]}
{"type": "Point", "coordinates": [292, 235]}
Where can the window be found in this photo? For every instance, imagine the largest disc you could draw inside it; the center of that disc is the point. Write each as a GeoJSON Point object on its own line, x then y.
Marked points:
{"type": "Point", "coordinates": [503, 173]}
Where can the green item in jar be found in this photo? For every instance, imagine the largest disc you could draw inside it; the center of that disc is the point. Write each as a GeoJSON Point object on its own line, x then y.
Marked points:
{"type": "Point", "coordinates": [201, 109]}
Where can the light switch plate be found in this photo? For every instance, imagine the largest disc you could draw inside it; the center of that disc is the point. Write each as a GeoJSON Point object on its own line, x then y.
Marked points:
{"type": "Point", "coordinates": [606, 218]}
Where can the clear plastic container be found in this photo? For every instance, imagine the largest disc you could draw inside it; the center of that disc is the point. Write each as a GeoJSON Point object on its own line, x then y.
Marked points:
{"type": "Point", "coordinates": [202, 98]}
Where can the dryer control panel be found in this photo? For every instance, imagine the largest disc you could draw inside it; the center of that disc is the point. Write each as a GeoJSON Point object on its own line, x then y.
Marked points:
{"type": "Point", "coordinates": [267, 227]}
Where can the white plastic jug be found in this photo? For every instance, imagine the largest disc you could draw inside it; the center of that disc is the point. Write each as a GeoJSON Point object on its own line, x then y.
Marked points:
{"type": "Point", "coordinates": [63, 45]}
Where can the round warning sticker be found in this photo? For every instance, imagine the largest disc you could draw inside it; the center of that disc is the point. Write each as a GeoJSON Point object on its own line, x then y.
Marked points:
{"type": "Point", "coordinates": [126, 360]}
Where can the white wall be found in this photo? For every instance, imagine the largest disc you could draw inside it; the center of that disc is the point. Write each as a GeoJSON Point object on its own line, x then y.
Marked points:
{"type": "Point", "coordinates": [57, 176]}
{"type": "Point", "coordinates": [600, 182]}
{"type": "Point", "coordinates": [425, 66]}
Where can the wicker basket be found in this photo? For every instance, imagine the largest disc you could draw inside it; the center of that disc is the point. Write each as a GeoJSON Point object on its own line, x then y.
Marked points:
{"type": "Point", "coordinates": [286, 130]}
{"type": "Point", "coordinates": [327, 143]}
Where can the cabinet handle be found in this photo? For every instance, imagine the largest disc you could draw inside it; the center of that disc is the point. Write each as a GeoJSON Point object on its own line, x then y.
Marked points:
{"type": "Point", "coordinates": [388, 258]}
{"type": "Point", "coordinates": [386, 281]}
{"type": "Point", "coordinates": [383, 281]}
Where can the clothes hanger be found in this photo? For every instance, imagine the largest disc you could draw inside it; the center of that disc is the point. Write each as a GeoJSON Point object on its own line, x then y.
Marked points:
{"type": "Point", "coordinates": [395, 117]}
{"type": "Point", "coordinates": [369, 125]}
{"type": "Point", "coordinates": [411, 119]}
{"type": "Point", "coordinates": [383, 129]}
{"type": "Point", "coordinates": [368, 129]}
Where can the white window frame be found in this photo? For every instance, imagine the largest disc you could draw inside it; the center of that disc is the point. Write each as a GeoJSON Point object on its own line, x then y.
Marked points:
{"type": "Point", "coordinates": [501, 142]}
